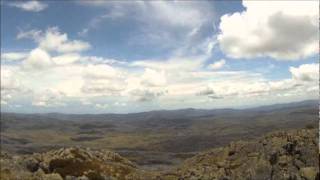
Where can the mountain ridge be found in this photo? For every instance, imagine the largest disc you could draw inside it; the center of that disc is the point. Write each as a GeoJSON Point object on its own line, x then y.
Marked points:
{"type": "Point", "coordinates": [188, 113]}
{"type": "Point", "coordinates": [269, 107]}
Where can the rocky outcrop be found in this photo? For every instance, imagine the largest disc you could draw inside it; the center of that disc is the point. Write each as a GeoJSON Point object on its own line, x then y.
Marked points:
{"type": "Point", "coordinates": [289, 155]}
{"type": "Point", "coordinates": [68, 163]}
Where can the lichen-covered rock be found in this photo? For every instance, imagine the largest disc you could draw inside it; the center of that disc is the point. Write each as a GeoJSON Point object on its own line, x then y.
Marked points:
{"type": "Point", "coordinates": [309, 173]}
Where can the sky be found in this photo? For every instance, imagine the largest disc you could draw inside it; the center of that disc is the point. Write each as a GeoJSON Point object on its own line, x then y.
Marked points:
{"type": "Point", "coordinates": [133, 56]}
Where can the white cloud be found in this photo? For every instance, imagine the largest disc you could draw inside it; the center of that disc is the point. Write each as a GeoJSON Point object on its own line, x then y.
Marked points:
{"type": "Point", "coordinates": [38, 59]}
{"type": "Point", "coordinates": [107, 87]}
{"type": "Point", "coordinates": [54, 40]}
{"type": "Point", "coordinates": [102, 71]}
{"type": "Point", "coordinates": [305, 72]}
{"type": "Point", "coordinates": [13, 56]}
{"type": "Point", "coordinates": [50, 41]}
{"type": "Point", "coordinates": [279, 29]}
{"type": "Point", "coordinates": [151, 77]}
{"type": "Point", "coordinates": [303, 83]}
{"type": "Point", "coordinates": [32, 6]}
{"type": "Point", "coordinates": [32, 34]}
{"type": "Point", "coordinates": [66, 59]}
{"type": "Point", "coordinates": [8, 80]}
{"type": "Point", "coordinates": [103, 79]}
{"type": "Point", "coordinates": [218, 64]}
{"type": "Point", "coordinates": [101, 60]}
{"type": "Point", "coordinates": [11, 84]}
{"type": "Point", "coordinates": [49, 98]}
{"type": "Point", "coordinates": [57, 78]}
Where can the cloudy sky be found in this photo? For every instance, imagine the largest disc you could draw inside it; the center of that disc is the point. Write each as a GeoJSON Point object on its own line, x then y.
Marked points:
{"type": "Point", "coordinates": [121, 56]}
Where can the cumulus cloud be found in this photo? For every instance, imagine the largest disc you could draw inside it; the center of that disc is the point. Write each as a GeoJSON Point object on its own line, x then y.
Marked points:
{"type": "Point", "coordinates": [53, 40]}
{"type": "Point", "coordinates": [103, 79]}
{"type": "Point", "coordinates": [279, 29]}
{"type": "Point", "coordinates": [218, 64]}
{"type": "Point", "coordinates": [305, 72]}
{"type": "Point", "coordinates": [11, 85]}
{"type": "Point", "coordinates": [32, 6]}
{"type": "Point", "coordinates": [50, 41]}
{"type": "Point", "coordinates": [8, 81]}
{"type": "Point", "coordinates": [56, 77]}
{"type": "Point", "coordinates": [38, 59]}
{"type": "Point", "coordinates": [303, 83]}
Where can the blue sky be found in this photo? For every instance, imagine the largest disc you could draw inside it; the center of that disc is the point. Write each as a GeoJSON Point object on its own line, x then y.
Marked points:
{"type": "Point", "coordinates": [111, 56]}
{"type": "Point", "coordinates": [108, 37]}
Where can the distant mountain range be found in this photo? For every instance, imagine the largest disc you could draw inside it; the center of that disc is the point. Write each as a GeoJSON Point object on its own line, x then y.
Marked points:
{"type": "Point", "coordinates": [171, 114]}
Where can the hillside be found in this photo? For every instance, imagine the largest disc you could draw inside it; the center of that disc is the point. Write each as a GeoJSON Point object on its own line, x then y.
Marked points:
{"type": "Point", "coordinates": [280, 155]}
{"type": "Point", "coordinates": [156, 140]}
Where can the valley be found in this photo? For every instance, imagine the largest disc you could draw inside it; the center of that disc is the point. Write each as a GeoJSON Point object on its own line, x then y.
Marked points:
{"type": "Point", "coordinates": [156, 140]}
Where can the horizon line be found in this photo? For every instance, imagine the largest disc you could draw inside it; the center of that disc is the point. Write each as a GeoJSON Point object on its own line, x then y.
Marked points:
{"type": "Point", "coordinates": [207, 109]}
